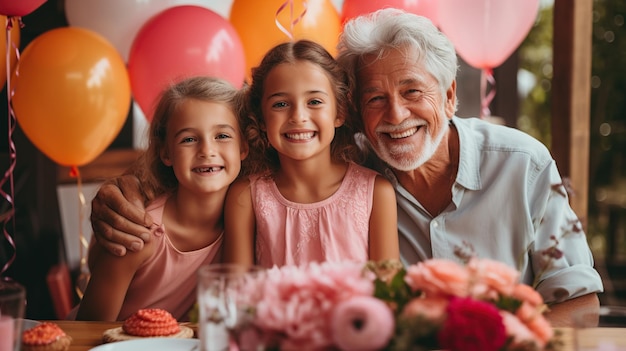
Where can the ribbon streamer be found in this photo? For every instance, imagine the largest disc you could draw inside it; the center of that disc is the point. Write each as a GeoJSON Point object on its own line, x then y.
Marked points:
{"type": "Point", "coordinates": [486, 80]}
{"type": "Point", "coordinates": [8, 174]}
{"type": "Point", "coordinates": [83, 277]}
{"type": "Point", "coordinates": [292, 21]}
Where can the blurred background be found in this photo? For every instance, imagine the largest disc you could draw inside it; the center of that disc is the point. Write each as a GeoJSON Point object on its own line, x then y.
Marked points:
{"type": "Point", "coordinates": [49, 221]}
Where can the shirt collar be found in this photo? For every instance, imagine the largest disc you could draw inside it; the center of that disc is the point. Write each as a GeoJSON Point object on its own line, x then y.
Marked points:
{"type": "Point", "coordinates": [468, 174]}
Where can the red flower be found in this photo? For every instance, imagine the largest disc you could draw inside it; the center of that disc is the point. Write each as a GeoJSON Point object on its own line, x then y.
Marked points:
{"type": "Point", "coordinates": [472, 325]}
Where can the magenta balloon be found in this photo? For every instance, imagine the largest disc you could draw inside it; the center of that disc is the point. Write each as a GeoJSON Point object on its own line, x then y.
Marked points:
{"type": "Point", "coordinates": [354, 8]}
{"type": "Point", "coordinates": [19, 7]}
{"type": "Point", "coordinates": [486, 32]}
{"type": "Point", "coordinates": [179, 42]}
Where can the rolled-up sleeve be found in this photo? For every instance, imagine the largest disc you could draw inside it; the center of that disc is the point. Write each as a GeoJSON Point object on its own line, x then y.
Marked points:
{"type": "Point", "coordinates": [561, 258]}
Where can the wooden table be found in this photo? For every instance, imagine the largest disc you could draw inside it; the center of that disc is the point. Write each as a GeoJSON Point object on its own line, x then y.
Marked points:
{"type": "Point", "coordinates": [611, 339]}
{"type": "Point", "coordinates": [87, 335]}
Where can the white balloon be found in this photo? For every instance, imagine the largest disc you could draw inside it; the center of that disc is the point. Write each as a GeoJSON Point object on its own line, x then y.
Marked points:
{"type": "Point", "coordinates": [120, 20]}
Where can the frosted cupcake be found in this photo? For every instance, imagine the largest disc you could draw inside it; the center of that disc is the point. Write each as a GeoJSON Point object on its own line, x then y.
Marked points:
{"type": "Point", "coordinates": [46, 336]}
{"type": "Point", "coordinates": [148, 323]}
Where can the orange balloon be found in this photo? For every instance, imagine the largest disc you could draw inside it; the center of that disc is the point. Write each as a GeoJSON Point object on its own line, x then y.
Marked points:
{"type": "Point", "coordinates": [72, 94]}
{"type": "Point", "coordinates": [14, 44]}
{"type": "Point", "coordinates": [255, 21]}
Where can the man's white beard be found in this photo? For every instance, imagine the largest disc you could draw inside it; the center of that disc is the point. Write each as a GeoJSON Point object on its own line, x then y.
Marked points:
{"type": "Point", "coordinates": [406, 158]}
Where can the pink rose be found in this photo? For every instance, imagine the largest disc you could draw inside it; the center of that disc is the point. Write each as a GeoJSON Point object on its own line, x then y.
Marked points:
{"type": "Point", "coordinates": [526, 293]}
{"type": "Point", "coordinates": [297, 303]}
{"type": "Point", "coordinates": [495, 275]}
{"type": "Point", "coordinates": [431, 308]}
{"type": "Point", "coordinates": [527, 312]}
{"type": "Point", "coordinates": [536, 322]}
{"type": "Point", "coordinates": [542, 329]}
{"type": "Point", "coordinates": [438, 277]}
{"type": "Point", "coordinates": [515, 329]}
{"type": "Point", "coordinates": [362, 323]}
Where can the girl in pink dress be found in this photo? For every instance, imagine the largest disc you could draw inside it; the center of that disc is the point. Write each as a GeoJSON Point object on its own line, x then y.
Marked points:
{"type": "Point", "coordinates": [305, 199]}
{"type": "Point", "coordinates": [195, 152]}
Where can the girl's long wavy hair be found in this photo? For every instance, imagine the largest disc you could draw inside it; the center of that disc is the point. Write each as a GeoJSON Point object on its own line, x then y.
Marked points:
{"type": "Point", "coordinates": [156, 178]}
{"type": "Point", "coordinates": [263, 159]}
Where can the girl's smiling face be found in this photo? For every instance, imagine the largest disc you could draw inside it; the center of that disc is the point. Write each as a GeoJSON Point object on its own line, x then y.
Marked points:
{"type": "Point", "coordinates": [299, 110]}
{"type": "Point", "coordinates": [204, 146]}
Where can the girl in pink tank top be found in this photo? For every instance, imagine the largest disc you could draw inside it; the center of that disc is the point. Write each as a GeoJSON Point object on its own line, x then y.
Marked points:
{"type": "Point", "coordinates": [194, 154]}
{"type": "Point", "coordinates": [305, 199]}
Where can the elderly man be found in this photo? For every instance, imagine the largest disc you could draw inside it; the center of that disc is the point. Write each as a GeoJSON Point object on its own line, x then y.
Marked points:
{"type": "Point", "coordinates": [461, 184]}
{"type": "Point", "coordinates": [464, 186]}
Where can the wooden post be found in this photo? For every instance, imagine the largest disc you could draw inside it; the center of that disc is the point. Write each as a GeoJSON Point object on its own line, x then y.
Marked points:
{"type": "Point", "coordinates": [571, 93]}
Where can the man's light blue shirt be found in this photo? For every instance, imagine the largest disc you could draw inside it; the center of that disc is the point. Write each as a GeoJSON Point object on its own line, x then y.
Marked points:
{"type": "Point", "coordinates": [506, 205]}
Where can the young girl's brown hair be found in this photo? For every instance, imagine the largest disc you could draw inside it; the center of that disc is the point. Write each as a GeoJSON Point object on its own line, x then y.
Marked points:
{"type": "Point", "coordinates": [155, 176]}
{"type": "Point", "coordinates": [262, 157]}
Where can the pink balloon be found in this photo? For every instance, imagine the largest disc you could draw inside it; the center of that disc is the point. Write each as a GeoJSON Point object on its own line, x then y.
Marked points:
{"type": "Point", "coordinates": [354, 8]}
{"type": "Point", "coordinates": [179, 42]}
{"type": "Point", "coordinates": [486, 32]}
{"type": "Point", "coordinates": [19, 7]}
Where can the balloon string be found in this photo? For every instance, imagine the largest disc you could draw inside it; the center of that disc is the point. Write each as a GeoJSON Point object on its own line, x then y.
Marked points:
{"type": "Point", "coordinates": [8, 175]}
{"type": "Point", "coordinates": [292, 21]}
{"type": "Point", "coordinates": [10, 22]}
{"type": "Point", "coordinates": [83, 278]}
{"type": "Point", "coordinates": [486, 80]}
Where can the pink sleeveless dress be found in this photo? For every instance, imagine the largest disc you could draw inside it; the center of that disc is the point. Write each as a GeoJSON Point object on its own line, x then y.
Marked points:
{"type": "Point", "coordinates": [335, 229]}
{"type": "Point", "coordinates": [167, 280]}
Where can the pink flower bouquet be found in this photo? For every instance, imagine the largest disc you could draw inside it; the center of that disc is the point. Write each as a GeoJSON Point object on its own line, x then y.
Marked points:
{"type": "Point", "coordinates": [295, 306]}
{"type": "Point", "coordinates": [478, 306]}
{"type": "Point", "coordinates": [437, 304]}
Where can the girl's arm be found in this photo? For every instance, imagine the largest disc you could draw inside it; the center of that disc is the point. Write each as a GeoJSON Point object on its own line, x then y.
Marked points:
{"type": "Point", "coordinates": [383, 241]}
{"type": "Point", "coordinates": [239, 224]}
{"type": "Point", "coordinates": [110, 278]}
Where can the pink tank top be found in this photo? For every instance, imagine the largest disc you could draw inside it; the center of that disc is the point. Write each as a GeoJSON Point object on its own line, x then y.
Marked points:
{"type": "Point", "coordinates": [168, 279]}
{"type": "Point", "coordinates": [337, 228]}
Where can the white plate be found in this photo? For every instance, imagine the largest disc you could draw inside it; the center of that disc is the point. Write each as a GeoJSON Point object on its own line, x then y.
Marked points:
{"type": "Point", "coordinates": [161, 344]}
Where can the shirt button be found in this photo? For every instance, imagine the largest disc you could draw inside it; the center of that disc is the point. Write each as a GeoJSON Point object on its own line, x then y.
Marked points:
{"type": "Point", "coordinates": [435, 224]}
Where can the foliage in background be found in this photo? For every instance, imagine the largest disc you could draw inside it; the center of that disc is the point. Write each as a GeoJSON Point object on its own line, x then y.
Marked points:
{"type": "Point", "coordinates": [535, 64]}
{"type": "Point", "coordinates": [608, 100]}
{"type": "Point", "coordinates": [607, 161]}
{"type": "Point", "coordinates": [607, 157]}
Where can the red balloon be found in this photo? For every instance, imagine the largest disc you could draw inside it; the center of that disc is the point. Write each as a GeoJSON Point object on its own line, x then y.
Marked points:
{"type": "Point", "coordinates": [180, 42]}
{"type": "Point", "coordinates": [486, 32]}
{"type": "Point", "coordinates": [19, 7]}
{"type": "Point", "coordinates": [428, 8]}
{"type": "Point", "coordinates": [355, 8]}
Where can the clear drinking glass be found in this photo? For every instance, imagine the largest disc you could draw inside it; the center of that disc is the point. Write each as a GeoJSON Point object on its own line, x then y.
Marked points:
{"type": "Point", "coordinates": [12, 306]}
{"type": "Point", "coordinates": [225, 293]}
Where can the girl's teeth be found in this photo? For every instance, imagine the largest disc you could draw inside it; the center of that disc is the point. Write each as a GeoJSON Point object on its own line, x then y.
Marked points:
{"type": "Point", "coordinates": [301, 136]}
